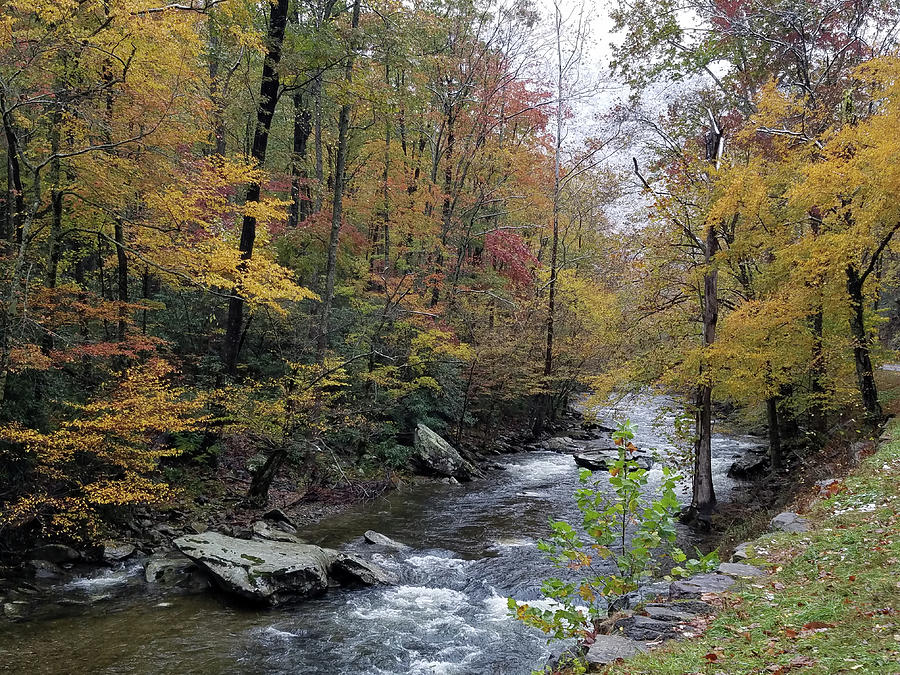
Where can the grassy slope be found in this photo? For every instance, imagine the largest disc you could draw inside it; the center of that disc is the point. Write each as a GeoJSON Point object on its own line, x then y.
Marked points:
{"type": "Point", "coordinates": [831, 603]}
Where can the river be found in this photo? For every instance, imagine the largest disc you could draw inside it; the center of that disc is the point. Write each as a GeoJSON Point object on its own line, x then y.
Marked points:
{"type": "Point", "coordinates": [472, 546]}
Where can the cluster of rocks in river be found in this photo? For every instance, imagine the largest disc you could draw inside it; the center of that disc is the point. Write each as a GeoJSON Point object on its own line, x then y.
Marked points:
{"type": "Point", "coordinates": [587, 441]}
{"type": "Point", "coordinates": [273, 566]}
{"type": "Point", "coordinates": [269, 567]}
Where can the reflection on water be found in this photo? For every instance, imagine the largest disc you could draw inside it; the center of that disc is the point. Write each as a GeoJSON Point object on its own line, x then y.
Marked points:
{"type": "Point", "coordinates": [472, 547]}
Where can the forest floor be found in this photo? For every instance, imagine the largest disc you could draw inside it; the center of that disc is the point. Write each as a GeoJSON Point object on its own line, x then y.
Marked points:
{"type": "Point", "coordinates": [830, 602]}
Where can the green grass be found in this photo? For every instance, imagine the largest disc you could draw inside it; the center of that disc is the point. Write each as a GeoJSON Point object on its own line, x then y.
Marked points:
{"type": "Point", "coordinates": [831, 602]}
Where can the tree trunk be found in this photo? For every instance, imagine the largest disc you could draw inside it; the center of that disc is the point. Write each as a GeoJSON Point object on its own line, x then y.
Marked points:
{"type": "Point", "coordinates": [216, 94]}
{"type": "Point", "coordinates": [703, 497]}
{"type": "Point", "coordinates": [817, 375]}
{"type": "Point", "coordinates": [122, 272]}
{"type": "Point", "coordinates": [817, 367]}
{"type": "Point", "coordinates": [386, 234]}
{"type": "Point", "coordinates": [338, 203]}
{"type": "Point", "coordinates": [54, 245]}
{"type": "Point", "coordinates": [258, 494]}
{"type": "Point", "coordinates": [864, 373]}
{"type": "Point", "coordinates": [554, 245]}
{"type": "Point", "coordinates": [15, 200]}
{"type": "Point", "coordinates": [774, 433]}
{"type": "Point", "coordinates": [300, 194]}
{"type": "Point", "coordinates": [317, 140]}
{"type": "Point", "coordinates": [268, 97]}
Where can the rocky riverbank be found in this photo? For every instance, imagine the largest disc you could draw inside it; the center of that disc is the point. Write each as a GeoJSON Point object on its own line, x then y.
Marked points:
{"type": "Point", "coordinates": [822, 599]}
{"type": "Point", "coordinates": [682, 612]}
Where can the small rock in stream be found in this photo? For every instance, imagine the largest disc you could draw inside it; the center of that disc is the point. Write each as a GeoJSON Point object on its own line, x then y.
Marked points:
{"type": "Point", "coordinates": [116, 551]}
{"type": "Point", "coordinates": [278, 516]}
{"type": "Point", "coordinates": [602, 460]}
{"type": "Point", "coordinates": [749, 466]}
{"type": "Point", "coordinates": [379, 539]}
{"type": "Point", "coordinates": [275, 531]}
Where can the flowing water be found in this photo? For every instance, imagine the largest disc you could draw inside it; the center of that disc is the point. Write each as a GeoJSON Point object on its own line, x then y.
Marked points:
{"type": "Point", "coordinates": [472, 546]}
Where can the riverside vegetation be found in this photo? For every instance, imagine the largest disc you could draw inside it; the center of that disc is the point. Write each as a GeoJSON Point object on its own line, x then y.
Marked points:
{"type": "Point", "coordinates": [289, 253]}
{"type": "Point", "coordinates": [621, 528]}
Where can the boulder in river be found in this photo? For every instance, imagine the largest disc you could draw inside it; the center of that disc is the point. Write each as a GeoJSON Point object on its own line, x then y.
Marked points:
{"type": "Point", "coordinates": [435, 456]}
{"type": "Point", "coordinates": [560, 444]}
{"type": "Point", "coordinates": [602, 460]}
{"type": "Point", "coordinates": [43, 570]}
{"type": "Point", "coordinates": [749, 466]}
{"type": "Point", "coordinates": [349, 570]}
{"type": "Point", "coordinates": [594, 425]}
{"type": "Point", "coordinates": [595, 461]}
{"type": "Point", "coordinates": [55, 553]}
{"type": "Point", "coordinates": [116, 551]}
{"type": "Point", "coordinates": [275, 572]}
{"type": "Point", "coordinates": [175, 570]}
{"type": "Point", "coordinates": [373, 537]}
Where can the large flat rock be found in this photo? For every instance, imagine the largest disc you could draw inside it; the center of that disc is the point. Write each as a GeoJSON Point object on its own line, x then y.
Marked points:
{"type": "Point", "coordinates": [740, 570]}
{"type": "Point", "coordinates": [275, 572]}
{"type": "Point", "coordinates": [697, 585]}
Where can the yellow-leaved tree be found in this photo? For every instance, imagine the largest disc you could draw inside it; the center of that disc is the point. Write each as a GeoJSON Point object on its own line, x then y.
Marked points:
{"type": "Point", "coordinates": [104, 457]}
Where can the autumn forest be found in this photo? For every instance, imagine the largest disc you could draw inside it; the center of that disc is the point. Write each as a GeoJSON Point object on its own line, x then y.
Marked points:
{"type": "Point", "coordinates": [249, 248]}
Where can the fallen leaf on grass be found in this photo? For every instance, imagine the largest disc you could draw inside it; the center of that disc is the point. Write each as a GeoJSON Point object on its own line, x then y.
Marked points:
{"type": "Point", "coordinates": [815, 627]}
{"type": "Point", "coordinates": [801, 661]}
{"type": "Point", "coordinates": [796, 662]}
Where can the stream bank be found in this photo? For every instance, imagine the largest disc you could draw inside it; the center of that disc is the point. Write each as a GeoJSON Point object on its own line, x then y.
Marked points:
{"type": "Point", "coordinates": [828, 604]}
{"type": "Point", "coordinates": [471, 546]}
